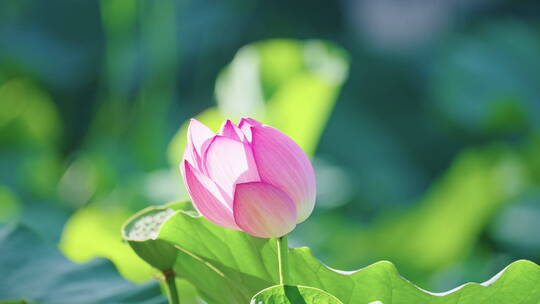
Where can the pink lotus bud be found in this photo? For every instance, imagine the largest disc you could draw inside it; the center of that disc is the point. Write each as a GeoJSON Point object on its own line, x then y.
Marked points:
{"type": "Point", "coordinates": [250, 177]}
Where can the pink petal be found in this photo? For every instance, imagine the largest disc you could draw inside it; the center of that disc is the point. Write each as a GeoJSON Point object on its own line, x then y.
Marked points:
{"type": "Point", "coordinates": [190, 155]}
{"type": "Point", "coordinates": [229, 162]}
{"type": "Point", "coordinates": [282, 163]}
{"type": "Point", "coordinates": [198, 138]}
{"type": "Point", "coordinates": [249, 121]}
{"type": "Point", "coordinates": [198, 134]}
{"type": "Point", "coordinates": [230, 130]}
{"type": "Point", "coordinates": [245, 125]}
{"type": "Point", "coordinates": [207, 198]}
{"type": "Point", "coordinates": [263, 210]}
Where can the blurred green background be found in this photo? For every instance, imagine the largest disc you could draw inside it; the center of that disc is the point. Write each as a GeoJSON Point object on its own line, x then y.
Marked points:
{"type": "Point", "coordinates": [422, 118]}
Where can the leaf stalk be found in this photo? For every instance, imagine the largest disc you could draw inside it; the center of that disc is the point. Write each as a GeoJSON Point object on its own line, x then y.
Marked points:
{"type": "Point", "coordinates": [172, 292]}
{"type": "Point", "coordinates": [283, 260]}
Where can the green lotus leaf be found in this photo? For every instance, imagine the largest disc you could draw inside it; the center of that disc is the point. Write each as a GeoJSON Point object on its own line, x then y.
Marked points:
{"type": "Point", "coordinates": [141, 231]}
{"type": "Point", "coordinates": [287, 294]}
{"type": "Point", "coordinates": [229, 266]}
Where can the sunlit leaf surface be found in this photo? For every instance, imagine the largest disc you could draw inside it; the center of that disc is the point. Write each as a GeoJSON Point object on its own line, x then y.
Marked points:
{"type": "Point", "coordinates": [293, 295]}
{"type": "Point", "coordinates": [229, 266]}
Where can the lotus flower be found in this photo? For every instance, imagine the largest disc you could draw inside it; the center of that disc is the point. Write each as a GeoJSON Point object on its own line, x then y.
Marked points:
{"type": "Point", "coordinates": [251, 177]}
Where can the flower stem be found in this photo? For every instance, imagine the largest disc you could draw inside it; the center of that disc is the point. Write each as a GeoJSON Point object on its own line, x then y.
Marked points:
{"type": "Point", "coordinates": [283, 260]}
{"type": "Point", "coordinates": [172, 292]}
